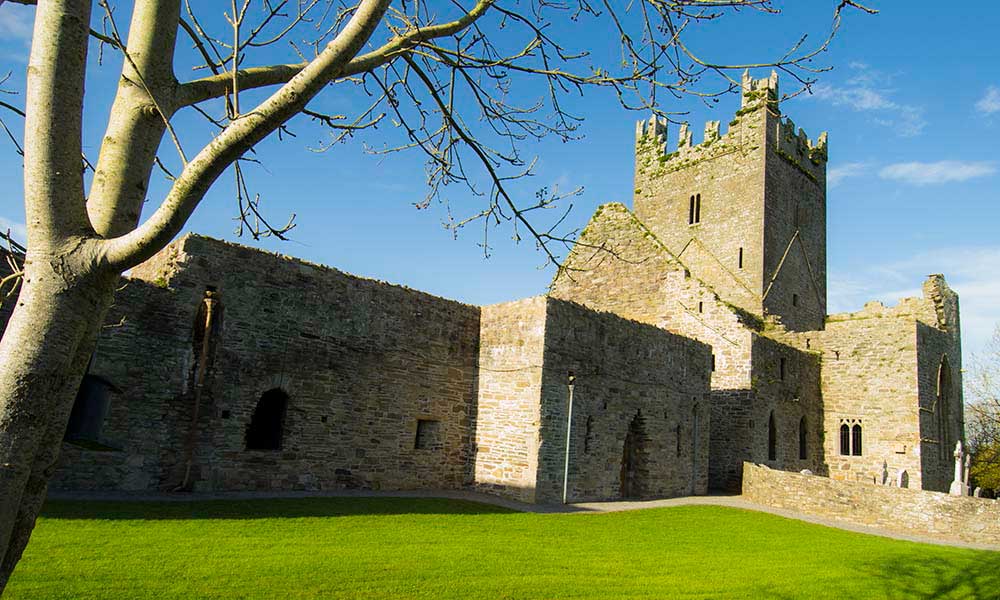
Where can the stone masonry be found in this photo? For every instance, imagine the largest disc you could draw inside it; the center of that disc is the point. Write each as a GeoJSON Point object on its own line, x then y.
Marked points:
{"type": "Point", "coordinates": [727, 245]}
{"type": "Point", "coordinates": [693, 329]}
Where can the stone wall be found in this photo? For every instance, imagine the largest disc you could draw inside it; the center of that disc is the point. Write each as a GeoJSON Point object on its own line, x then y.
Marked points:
{"type": "Point", "coordinates": [629, 376]}
{"type": "Point", "coordinates": [512, 343]}
{"type": "Point", "coordinates": [880, 370]}
{"type": "Point", "coordinates": [362, 363]}
{"type": "Point", "coordinates": [908, 511]}
{"type": "Point", "coordinates": [636, 276]}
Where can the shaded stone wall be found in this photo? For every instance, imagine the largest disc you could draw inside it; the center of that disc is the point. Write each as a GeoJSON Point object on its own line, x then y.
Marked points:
{"type": "Point", "coordinates": [794, 225]}
{"type": "Point", "coordinates": [909, 511]}
{"type": "Point", "coordinates": [361, 362]}
{"type": "Point", "coordinates": [145, 350]}
{"type": "Point", "coordinates": [625, 371]}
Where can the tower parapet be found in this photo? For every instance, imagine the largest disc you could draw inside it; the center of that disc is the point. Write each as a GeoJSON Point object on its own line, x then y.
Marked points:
{"type": "Point", "coordinates": [654, 158]}
{"type": "Point", "coordinates": [755, 93]}
{"type": "Point", "coordinates": [745, 207]}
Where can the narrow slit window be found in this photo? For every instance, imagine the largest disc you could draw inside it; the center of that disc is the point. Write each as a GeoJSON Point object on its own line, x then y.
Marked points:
{"type": "Point", "coordinates": [802, 439]}
{"type": "Point", "coordinates": [713, 362]}
{"type": "Point", "coordinates": [772, 439]}
{"type": "Point", "coordinates": [739, 260]}
{"type": "Point", "coordinates": [678, 436]}
{"type": "Point", "coordinates": [781, 368]}
{"type": "Point", "coordinates": [701, 307]}
{"type": "Point", "coordinates": [697, 208]}
{"type": "Point", "coordinates": [795, 299]}
{"type": "Point", "coordinates": [691, 212]}
{"type": "Point", "coordinates": [845, 440]}
{"type": "Point", "coordinates": [856, 440]}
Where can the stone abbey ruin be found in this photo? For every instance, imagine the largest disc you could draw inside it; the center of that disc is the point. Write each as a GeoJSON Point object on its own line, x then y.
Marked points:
{"type": "Point", "coordinates": [698, 338]}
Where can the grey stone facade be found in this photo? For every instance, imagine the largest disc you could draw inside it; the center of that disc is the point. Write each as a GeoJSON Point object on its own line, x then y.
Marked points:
{"type": "Point", "coordinates": [727, 245]}
{"type": "Point", "coordinates": [698, 339]}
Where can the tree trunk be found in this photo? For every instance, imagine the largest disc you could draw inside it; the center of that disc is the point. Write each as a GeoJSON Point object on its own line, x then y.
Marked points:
{"type": "Point", "coordinates": [44, 351]}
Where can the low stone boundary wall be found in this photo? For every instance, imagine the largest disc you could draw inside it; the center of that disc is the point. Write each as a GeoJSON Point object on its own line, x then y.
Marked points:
{"type": "Point", "coordinates": [903, 510]}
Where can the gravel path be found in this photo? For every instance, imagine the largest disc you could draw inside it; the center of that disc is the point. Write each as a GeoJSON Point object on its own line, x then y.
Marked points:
{"type": "Point", "coordinates": [581, 508]}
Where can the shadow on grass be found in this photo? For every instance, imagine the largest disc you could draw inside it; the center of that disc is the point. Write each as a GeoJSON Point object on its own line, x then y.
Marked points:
{"type": "Point", "coordinates": [912, 576]}
{"type": "Point", "coordinates": [271, 508]}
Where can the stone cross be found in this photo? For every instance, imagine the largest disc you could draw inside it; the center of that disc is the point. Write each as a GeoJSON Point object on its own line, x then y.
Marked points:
{"type": "Point", "coordinates": [957, 488]}
{"type": "Point", "coordinates": [966, 479]}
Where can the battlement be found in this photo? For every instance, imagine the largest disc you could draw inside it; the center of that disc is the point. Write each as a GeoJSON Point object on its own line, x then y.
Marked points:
{"type": "Point", "coordinates": [653, 156]}
{"type": "Point", "coordinates": [936, 306]}
{"type": "Point", "coordinates": [759, 92]}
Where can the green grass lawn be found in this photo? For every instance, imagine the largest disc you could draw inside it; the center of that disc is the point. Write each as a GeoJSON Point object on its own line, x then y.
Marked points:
{"type": "Point", "coordinates": [416, 548]}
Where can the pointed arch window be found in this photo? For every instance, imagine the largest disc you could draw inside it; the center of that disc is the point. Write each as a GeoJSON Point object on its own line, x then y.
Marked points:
{"type": "Point", "coordinates": [694, 210]}
{"type": "Point", "coordinates": [845, 439]}
{"type": "Point", "coordinates": [856, 439]}
{"type": "Point", "coordinates": [943, 407]}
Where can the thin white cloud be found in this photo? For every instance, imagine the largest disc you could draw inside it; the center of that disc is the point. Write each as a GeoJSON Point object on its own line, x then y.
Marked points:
{"type": "Point", "coordinates": [942, 171]}
{"type": "Point", "coordinates": [969, 271]}
{"type": "Point", "coordinates": [868, 90]}
{"type": "Point", "coordinates": [990, 103]}
{"type": "Point", "coordinates": [834, 175]}
{"type": "Point", "coordinates": [16, 22]}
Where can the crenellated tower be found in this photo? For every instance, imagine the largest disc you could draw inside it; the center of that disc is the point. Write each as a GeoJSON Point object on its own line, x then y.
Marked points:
{"type": "Point", "coordinates": [744, 210]}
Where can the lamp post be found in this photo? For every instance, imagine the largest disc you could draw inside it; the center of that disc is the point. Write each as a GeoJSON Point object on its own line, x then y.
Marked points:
{"type": "Point", "coordinates": [570, 380]}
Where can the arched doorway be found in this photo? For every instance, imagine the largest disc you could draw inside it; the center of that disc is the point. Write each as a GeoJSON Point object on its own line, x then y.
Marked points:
{"type": "Point", "coordinates": [266, 428]}
{"type": "Point", "coordinates": [634, 453]}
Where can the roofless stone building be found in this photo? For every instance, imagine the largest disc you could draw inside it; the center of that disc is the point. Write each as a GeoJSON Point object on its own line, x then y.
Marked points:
{"type": "Point", "coordinates": [698, 341]}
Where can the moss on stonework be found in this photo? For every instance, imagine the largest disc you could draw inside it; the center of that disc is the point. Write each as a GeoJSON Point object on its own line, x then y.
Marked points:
{"type": "Point", "coordinates": [791, 160]}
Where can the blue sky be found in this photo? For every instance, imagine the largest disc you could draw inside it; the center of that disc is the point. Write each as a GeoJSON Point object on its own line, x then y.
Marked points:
{"type": "Point", "coordinates": [912, 107]}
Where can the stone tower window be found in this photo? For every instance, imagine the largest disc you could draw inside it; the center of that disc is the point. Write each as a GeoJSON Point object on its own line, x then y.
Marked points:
{"type": "Point", "coordinates": [772, 439]}
{"type": "Point", "coordinates": [781, 368]}
{"type": "Point", "coordinates": [739, 260]}
{"type": "Point", "coordinates": [713, 363]}
{"type": "Point", "coordinates": [701, 307]}
{"type": "Point", "coordinates": [694, 210]}
{"type": "Point", "coordinates": [795, 299]}
{"type": "Point", "coordinates": [803, 454]}
{"type": "Point", "coordinates": [588, 436]}
{"type": "Point", "coordinates": [850, 437]}
{"type": "Point", "coordinates": [428, 435]}
{"type": "Point", "coordinates": [267, 423]}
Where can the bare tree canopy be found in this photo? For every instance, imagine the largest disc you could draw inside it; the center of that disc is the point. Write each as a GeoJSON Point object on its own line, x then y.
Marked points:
{"type": "Point", "coordinates": [442, 73]}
